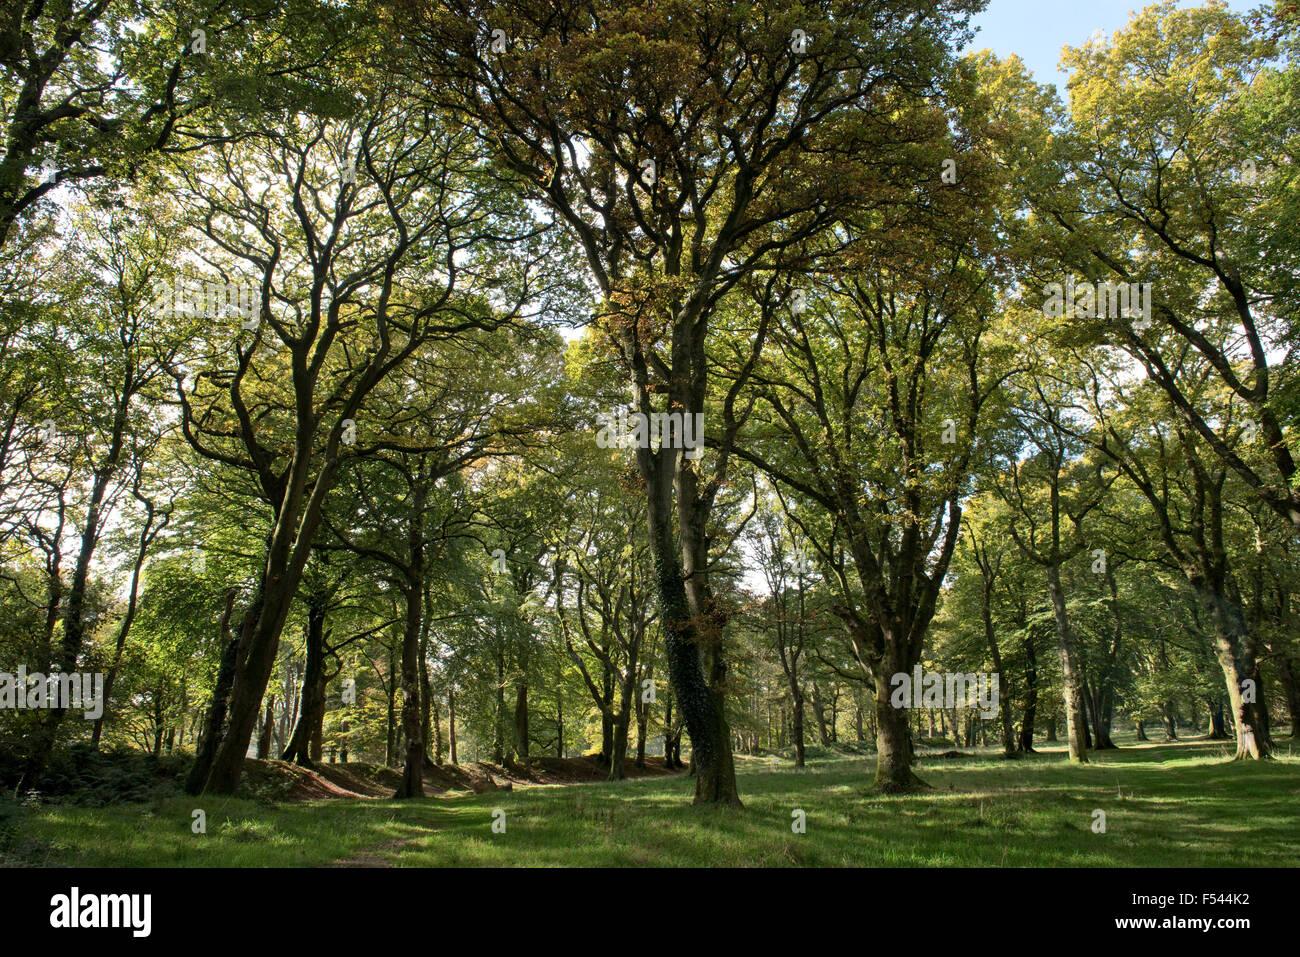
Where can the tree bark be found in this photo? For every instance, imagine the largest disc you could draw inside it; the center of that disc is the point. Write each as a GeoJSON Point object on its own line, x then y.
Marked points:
{"type": "Point", "coordinates": [412, 785]}
{"type": "Point", "coordinates": [1075, 720]}
{"type": "Point", "coordinates": [1004, 688]}
{"type": "Point", "coordinates": [311, 712]}
{"type": "Point", "coordinates": [796, 725]}
{"type": "Point", "coordinates": [214, 726]}
{"type": "Point", "coordinates": [451, 723]}
{"type": "Point", "coordinates": [692, 639]}
{"type": "Point", "coordinates": [268, 728]}
{"type": "Point", "coordinates": [521, 719]}
{"type": "Point", "coordinates": [1026, 742]}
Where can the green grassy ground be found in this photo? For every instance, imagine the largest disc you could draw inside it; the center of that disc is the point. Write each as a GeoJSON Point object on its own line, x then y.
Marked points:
{"type": "Point", "coordinates": [1167, 805]}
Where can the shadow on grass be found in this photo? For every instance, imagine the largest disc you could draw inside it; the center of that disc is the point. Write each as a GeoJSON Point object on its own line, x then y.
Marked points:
{"type": "Point", "coordinates": [1174, 805]}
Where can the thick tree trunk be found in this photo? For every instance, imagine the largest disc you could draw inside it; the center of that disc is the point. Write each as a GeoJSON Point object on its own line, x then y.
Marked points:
{"type": "Point", "coordinates": [1228, 647]}
{"type": "Point", "coordinates": [894, 773]}
{"type": "Point", "coordinates": [1142, 730]}
{"type": "Point", "coordinates": [297, 518]}
{"type": "Point", "coordinates": [412, 785]}
{"type": "Point", "coordinates": [1071, 677]}
{"type": "Point", "coordinates": [318, 733]}
{"type": "Point", "coordinates": [259, 641]}
{"type": "Point", "coordinates": [692, 639]}
{"type": "Point", "coordinates": [618, 759]}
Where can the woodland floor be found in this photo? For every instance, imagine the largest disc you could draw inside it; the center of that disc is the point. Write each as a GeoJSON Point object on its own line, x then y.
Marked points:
{"type": "Point", "coordinates": [1175, 804]}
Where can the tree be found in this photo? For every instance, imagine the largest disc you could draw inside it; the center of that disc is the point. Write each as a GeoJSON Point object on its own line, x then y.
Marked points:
{"type": "Point", "coordinates": [355, 273]}
{"type": "Point", "coordinates": [1170, 182]}
{"type": "Point", "coordinates": [685, 146]}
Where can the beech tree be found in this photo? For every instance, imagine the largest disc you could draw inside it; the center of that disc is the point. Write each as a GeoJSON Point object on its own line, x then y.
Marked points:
{"type": "Point", "coordinates": [685, 146]}
{"type": "Point", "coordinates": [1170, 177]}
{"type": "Point", "coordinates": [360, 237]}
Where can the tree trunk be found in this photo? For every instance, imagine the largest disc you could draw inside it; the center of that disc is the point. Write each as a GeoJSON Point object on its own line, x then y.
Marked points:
{"type": "Point", "coordinates": [451, 723]}
{"type": "Point", "coordinates": [1071, 677]}
{"type": "Point", "coordinates": [437, 732]}
{"type": "Point", "coordinates": [147, 534]}
{"type": "Point", "coordinates": [692, 643]}
{"type": "Point", "coordinates": [521, 720]}
{"type": "Point", "coordinates": [1099, 711]}
{"type": "Point", "coordinates": [559, 727]}
{"type": "Point", "coordinates": [390, 729]}
{"type": "Point", "coordinates": [1169, 720]}
{"type": "Point", "coordinates": [1286, 677]}
{"type": "Point", "coordinates": [796, 725]}
{"type": "Point", "coordinates": [1004, 688]}
{"type": "Point", "coordinates": [1218, 728]}
{"type": "Point", "coordinates": [618, 759]}
{"type": "Point", "coordinates": [214, 725]}
{"type": "Point", "coordinates": [499, 717]}
{"type": "Point", "coordinates": [1026, 742]}
{"type": "Point", "coordinates": [1228, 646]}
{"type": "Point", "coordinates": [819, 711]}
{"type": "Point", "coordinates": [412, 785]}
{"type": "Point", "coordinates": [311, 709]}
{"type": "Point", "coordinates": [668, 731]}
{"type": "Point", "coordinates": [642, 720]}
{"type": "Point", "coordinates": [268, 728]}
{"type": "Point", "coordinates": [894, 753]}
{"type": "Point", "coordinates": [426, 706]}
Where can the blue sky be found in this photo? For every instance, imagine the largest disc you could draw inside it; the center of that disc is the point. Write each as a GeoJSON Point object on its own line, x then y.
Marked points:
{"type": "Point", "coordinates": [1037, 29]}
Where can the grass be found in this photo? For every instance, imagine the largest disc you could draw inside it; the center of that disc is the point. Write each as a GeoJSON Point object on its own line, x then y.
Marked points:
{"type": "Point", "coordinates": [1166, 805]}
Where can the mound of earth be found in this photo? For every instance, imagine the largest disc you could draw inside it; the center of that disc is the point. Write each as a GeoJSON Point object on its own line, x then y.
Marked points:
{"type": "Point", "coordinates": [283, 781]}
